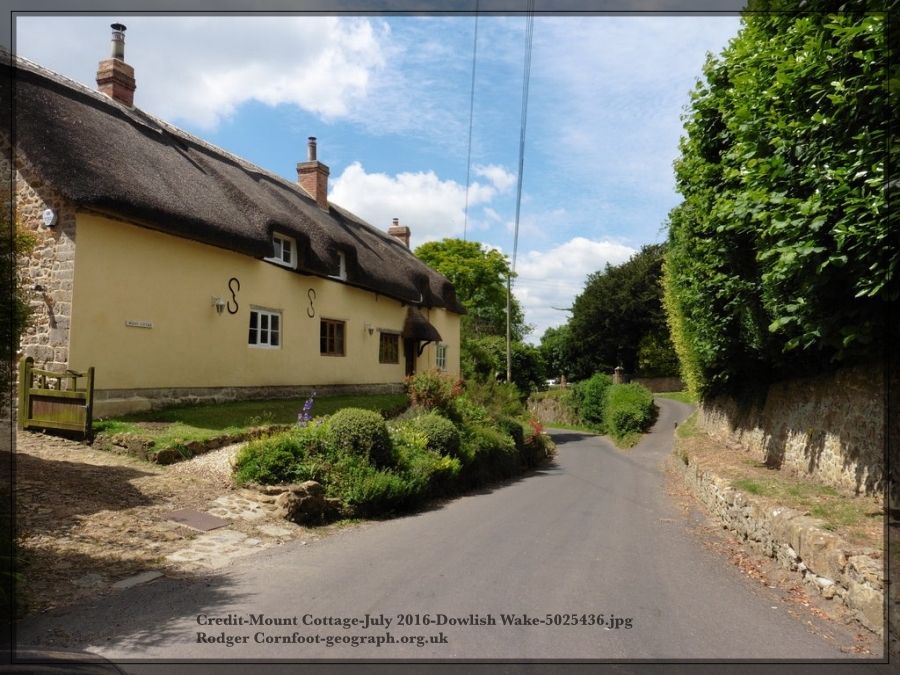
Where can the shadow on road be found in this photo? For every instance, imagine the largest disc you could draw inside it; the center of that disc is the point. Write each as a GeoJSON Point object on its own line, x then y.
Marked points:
{"type": "Point", "coordinates": [132, 621]}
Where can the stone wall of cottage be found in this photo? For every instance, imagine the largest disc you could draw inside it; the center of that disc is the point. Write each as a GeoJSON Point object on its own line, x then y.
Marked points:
{"type": "Point", "coordinates": [49, 271]}
{"type": "Point", "coordinates": [830, 427]}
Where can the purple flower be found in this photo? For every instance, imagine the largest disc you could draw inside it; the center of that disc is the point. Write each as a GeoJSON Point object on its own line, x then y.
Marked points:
{"type": "Point", "coordinates": [304, 417]}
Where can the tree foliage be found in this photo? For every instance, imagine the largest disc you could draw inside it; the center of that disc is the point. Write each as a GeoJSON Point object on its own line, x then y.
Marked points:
{"type": "Point", "coordinates": [528, 367]}
{"type": "Point", "coordinates": [14, 306]}
{"type": "Point", "coordinates": [559, 352]}
{"type": "Point", "coordinates": [618, 308]}
{"type": "Point", "coordinates": [779, 256]}
{"type": "Point", "coordinates": [479, 276]}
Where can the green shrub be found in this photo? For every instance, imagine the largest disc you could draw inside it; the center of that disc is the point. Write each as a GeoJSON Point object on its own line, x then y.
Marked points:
{"type": "Point", "coordinates": [538, 445]}
{"type": "Point", "coordinates": [440, 433]}
{"type": "Point", "coordinates": [514, 429]}
{"type": "Point", "coordinates": [436, 472]}
{"type": "Point", "coordinates": [434, 390]}
{"type": "Point", "coordinates": [280, 458]}
{"type": "Point", "coordinates": [629, 409]}
{"type": "Point", "coordinates": [498, 399]}
{"type": "Point", "coordinates": [489, 455]}
{"type": "Point", "coordinates": [361, 432]}
{"type": "Point", "coordinates": [589, 398]}
{"type": "Point", "coordinates": [370, 491]}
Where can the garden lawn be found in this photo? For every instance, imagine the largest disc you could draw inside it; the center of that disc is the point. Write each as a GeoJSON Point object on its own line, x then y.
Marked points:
{"type": "Point", "coordinates": [171, 426]}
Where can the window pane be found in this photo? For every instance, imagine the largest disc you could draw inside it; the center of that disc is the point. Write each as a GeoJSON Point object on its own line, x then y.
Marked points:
{"type": "Point", "coordinates": [253, 326]}
{"type": "Point", "coordinates": [286, 250]}
{"type": "Point", "coordinates": [273, 338]}
{"type": "Point", "coordinates": [263, 329]}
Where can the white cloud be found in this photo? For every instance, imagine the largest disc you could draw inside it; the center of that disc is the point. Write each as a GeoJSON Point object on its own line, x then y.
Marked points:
{"type": "Point", "coordinates": [432, 208]}
{"type": "Point", "coordinates": [210, 65]}
{"type": "Point", "coordinates": [501, 179]}
{"type": "Point", "coordinates": [548, 281]}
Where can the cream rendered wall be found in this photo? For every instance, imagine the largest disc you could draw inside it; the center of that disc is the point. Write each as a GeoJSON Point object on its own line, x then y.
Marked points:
{"type": "Point", "coordinates": [128, 273]}
{"type": "Point", "coordinates": [447, 324]}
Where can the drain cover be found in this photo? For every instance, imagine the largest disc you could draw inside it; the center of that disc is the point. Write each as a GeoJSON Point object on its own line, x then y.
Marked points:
{"type": "Point", "coordinates": [196, 519]}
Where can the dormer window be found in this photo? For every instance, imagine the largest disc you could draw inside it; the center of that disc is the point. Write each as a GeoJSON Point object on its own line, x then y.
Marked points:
{"type": "Point", "coordinates": [285, 251]}
{"type": "Point", "coordinates": [342, 272]}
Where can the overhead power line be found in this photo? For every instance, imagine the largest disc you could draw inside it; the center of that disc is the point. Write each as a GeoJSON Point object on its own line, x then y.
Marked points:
{"type": "Point", "coordinates": [529, 33]}
{"type": "Point", "coordinates": [471, 118]}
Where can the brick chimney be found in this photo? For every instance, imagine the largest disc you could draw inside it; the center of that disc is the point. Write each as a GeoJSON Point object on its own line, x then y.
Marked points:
{"type": "Point", "coordinates": [401, 233]}
{"type": "Point", "coordinates": [115, 78]}
{"type": "Point", "coordinates": [313, 176]}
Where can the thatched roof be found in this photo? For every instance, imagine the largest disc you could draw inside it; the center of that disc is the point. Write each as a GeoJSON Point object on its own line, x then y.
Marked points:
{"type": "Point", "coordinates": [417, 327]}
{"type": "Point", "coordinates": [120, 161]}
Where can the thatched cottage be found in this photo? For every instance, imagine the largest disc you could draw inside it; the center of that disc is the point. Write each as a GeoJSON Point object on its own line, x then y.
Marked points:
{"type": "Point", "coordinates": [183, 273]}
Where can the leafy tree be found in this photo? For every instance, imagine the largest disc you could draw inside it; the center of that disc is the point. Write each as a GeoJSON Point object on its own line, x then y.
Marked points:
{"type": "Point", "coordinates": [528, 367]}
{"type": "Point", "coordinates": [479, 276]}
{"type": "Point", "coordinates": [656, 355]}
{"type": "Point", "coordinates": [779, 256]}
{"type": "Point", "coordinates": [558, 352]}
{"type": "Point", "coordinates": [618, 307]}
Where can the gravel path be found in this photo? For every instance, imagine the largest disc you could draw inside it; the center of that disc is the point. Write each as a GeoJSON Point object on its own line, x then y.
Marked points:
{"type": "Point", "coordinates": [215, 465]}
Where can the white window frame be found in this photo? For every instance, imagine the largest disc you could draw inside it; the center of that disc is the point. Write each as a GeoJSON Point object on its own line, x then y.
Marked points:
{"type": "Point", "coordinates": [440, 356]}
{"type": "Point", "coordinates": [278, 243]}
{"type": "Point", "coordinates": [342, 271]}
{"type": "Point", "coordinates": [255, 333]}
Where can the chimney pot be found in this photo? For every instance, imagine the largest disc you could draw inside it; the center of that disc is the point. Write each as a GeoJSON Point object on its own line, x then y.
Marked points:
{"type": "Point", "coordinates": [115, 78]}
{"type": "Point", "coordinates": [311, 149]}
{"type": "Point", "coordinates": [398, 232]}
{"type": "Point", "coordinates": [117, 47]}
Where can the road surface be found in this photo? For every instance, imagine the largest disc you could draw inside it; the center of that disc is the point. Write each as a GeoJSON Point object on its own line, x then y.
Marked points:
{"type": "Point", "coordinates": [588, 557]}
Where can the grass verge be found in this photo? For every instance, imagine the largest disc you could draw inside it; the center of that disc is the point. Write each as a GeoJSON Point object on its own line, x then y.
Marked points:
{"type": "Point", "coordinates": [857, 519]}
{"type": "Point", "coordinates": [174, 427]}
{"type": "Point", "coordinates": [682, 396]}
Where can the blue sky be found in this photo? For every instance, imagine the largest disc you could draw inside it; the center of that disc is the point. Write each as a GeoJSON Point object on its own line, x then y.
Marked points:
{"type": "Point", "coordinates": [389, 100]}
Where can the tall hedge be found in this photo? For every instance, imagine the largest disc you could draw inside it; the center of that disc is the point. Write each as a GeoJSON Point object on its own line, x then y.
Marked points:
{"type": "Point", "coordinates": [780, 256]}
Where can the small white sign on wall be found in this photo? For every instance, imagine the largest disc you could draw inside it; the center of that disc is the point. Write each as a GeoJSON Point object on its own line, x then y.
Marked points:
{"type": "Point", "coordinates": [138, 324]}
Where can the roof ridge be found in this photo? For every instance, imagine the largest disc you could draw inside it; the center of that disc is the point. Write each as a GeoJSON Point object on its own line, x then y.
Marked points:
{"type": "Point", "coordinates": [136, 114]}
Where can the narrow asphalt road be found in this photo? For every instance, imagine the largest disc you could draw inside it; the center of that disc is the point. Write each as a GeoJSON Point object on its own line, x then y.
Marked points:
{"type": "Point", "coordinates": [586, 558]}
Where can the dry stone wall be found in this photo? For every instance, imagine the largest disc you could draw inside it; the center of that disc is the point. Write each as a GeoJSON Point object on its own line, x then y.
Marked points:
{"type": "Point", "coordinates": [550, 410]}
{"type": "Point", "coordinates": [829, 427]}
{"type": "Point", "coordinates": [830, 566]}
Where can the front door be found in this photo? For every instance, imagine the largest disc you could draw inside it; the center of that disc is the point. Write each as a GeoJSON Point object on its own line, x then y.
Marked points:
{"type": "Point", "coordinates": [409, 348]}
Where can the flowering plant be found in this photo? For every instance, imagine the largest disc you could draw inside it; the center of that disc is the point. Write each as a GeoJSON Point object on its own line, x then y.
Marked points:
{"type": "Point", "coordinates": [304, 418]}
{"type": "Point", "coordinates": [434, 390]}
{"type": "Point", "coordinates": [536, 430]}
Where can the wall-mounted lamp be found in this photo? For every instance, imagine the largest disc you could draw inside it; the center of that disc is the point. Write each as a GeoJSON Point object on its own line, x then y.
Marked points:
{"type": "Point", "coordinates": [218, 303]}
{"type": "Point", "coordinates": [370, 328]}
{"type": "Point", "coordinates": [49, 218]}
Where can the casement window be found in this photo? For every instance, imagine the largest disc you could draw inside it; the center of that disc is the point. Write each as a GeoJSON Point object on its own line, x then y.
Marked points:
{"type": "Point", "coordinates": [265, 328]}
{"type": "Point", "coordinates": [389, 348]}
{"type": "Point", "coordinates": [342, 270]}
{"type": "Point", "coordinates": [441, 359]}
{"type": "Point", "coordinates": [331, 338]}
{"type": "Point", "coordinates": [285, 251]}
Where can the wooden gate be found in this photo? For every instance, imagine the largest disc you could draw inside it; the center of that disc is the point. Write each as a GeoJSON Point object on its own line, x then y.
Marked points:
{"type": "Point", "coordinates": [49, 400]}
